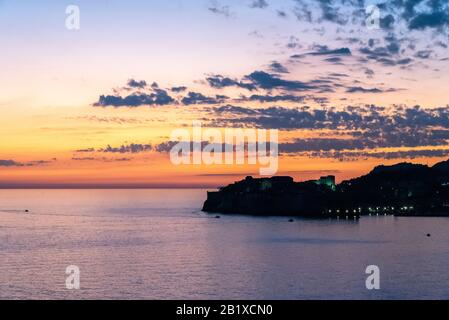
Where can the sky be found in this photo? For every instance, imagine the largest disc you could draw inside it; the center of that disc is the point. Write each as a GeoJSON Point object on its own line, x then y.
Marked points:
{"type": "Point", "coordinates": [96, 106]}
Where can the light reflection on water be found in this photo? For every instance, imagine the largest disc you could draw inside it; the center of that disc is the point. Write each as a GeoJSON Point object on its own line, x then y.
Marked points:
{"type": "Point", "coordinates": [156, 244]}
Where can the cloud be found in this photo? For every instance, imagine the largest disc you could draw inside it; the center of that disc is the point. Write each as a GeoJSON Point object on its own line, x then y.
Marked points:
{"type": "Point", "coordinates": [320, 144]}
{"type": "Point", "coordinates": [324, 51]}
{"type": "Point", "coordinates": [103, 159]}
{"type": "Point", "coordinates": [118, 159]}
{"type": "Point", "coordinates": [87, 150]}
{"type": "Point", "coordinates": [13, 163]}
{"type": "Point", "coordinates": [256, 81]}
{"type": "Point", "coordinates": [129, 148]}
{"type": "Point", "coordinates": [386, 138]}
{"type": "Point", "coordinates": [218, 9]}
{"type": "Point", "coordinates": [178, 89]}
{"type": "Point", "coordinates": [166, 146]}
{"type": "Point", "coordinates": [372, 119]}
{"type": "Point", "coordinates": [417, 14]}
{"type": "Point", "coordinates": [199, 98]}
{"type": "Point", "coordinates": [406, 28]}
{"type": "Point", "coordinates": [435, 19]}
{"type": "Point", "coordinates": [330, 12]}
{"type": "Point", "coordinates": [136, 84]}
{"type": "Point", "coordinates": [275, 98]}
{"type": "Point", "coordinates": [386, 155]}
{"type": "Point", "coordinates": [256, 34]}
{"type": "Point", "coordinates": [115, 120]}
{"type": "Point", "coordinates": [366, 90]}
{"type": "Point", "coordinates": [281, 13]}
{"type": "Point", "coordinates": [268, 81]}
{"type": "Point", "coordinates": [387, 22]}
{"type": "Point", "coordinates": [157, 97]}
{"type": "Point", "coordinates": [10, 163]}
{"type": "Point", "coordinates": [340, 149]}
{"type": "Point", "coordinates": [423, 54]}
{"type": "Point", "coordinates": [342, 133]}
{"type": "Point", "coordinates": [385, 55]}
{"type": "Point", "coordinates": [369, 72]}
{"type": "Point", "coordinates": [235, 110]}
{"type": "Point", "coordinates": [219, 82]}
{"type": "Point", "coordinates": [293, 43]}
{"type": "Point", "coordinates": [280, 118]}
{"type": "Point", "coordinates": [277, 67]}
{"type": "Point", "coordinates": [83, 159]}
{"type": "Point", "coordinates": [364, 127]}
{"type": "Point", "coordinates": [334, 60]}
{"type": "Point", "coordinates": [259, 4]}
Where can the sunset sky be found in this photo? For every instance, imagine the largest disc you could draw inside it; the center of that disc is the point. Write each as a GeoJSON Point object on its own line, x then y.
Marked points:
{"type": "Point", "coordinates": [96, 106]}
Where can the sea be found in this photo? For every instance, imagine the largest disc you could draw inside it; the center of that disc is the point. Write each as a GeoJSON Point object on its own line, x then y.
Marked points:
{"type": "Point", "coordinates": [157, 244]}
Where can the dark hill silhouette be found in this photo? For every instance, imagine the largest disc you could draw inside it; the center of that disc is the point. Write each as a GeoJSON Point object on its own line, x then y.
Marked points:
{"type": "Point", "coordinates": [442, 168]}
{"type": "Point", "coordinates": [402, 189]}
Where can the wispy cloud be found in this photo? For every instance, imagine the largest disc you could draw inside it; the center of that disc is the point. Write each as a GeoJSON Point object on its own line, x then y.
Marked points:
{"type": "Point", "coordinates": [13, 163]}
{"type": "Point", "coordinates": [219, 9]}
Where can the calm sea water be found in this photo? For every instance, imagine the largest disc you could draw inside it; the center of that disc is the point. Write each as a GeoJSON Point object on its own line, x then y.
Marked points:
{"type": "Point", "coordinates": [156, 244]}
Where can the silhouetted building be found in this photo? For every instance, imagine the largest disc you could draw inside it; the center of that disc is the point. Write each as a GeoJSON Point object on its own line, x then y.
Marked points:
{"type": "Point", "coordinates": [328, 181]}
